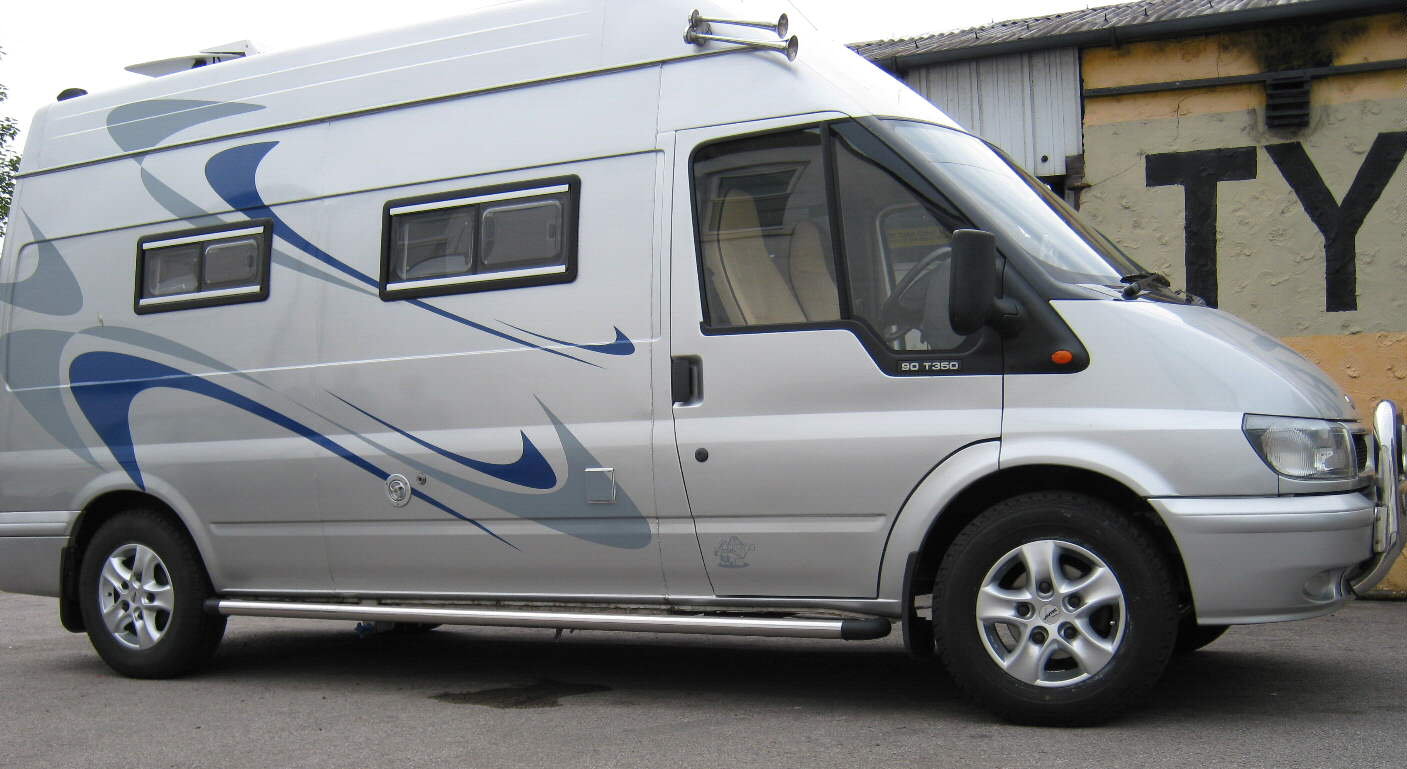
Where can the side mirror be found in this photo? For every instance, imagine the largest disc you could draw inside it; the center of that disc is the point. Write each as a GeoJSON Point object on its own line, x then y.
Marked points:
{"type": "Point", "coordinates": [972, 289]}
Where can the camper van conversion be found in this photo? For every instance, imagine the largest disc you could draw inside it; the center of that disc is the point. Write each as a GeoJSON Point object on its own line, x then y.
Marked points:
{"type": "Point", "coordinates": [613, 315]}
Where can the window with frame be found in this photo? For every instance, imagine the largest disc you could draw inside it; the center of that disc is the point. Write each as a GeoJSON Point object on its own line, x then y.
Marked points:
{"type": "Point", "coordinates": [764, 231]}
{"type": "Point", "coordinates": [478, 240]}
{"type": "Point", "coordinates": [766, 210]}
{"type": "Point", "coordinates": [205, 267]}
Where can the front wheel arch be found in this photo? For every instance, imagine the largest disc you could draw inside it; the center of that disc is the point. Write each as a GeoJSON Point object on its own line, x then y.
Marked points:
{"type": "Point", "coordinates": [1055, 608]}
{"type": "Point", "coordinates": [1004, 484]}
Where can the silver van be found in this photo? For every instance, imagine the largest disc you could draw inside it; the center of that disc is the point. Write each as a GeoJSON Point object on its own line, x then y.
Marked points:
{"type": "Point", "coordinates": [609, 315]}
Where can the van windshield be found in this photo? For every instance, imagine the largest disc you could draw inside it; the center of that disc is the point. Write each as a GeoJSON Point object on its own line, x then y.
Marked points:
{"type": "Point", "coordinates": [1002, 196]}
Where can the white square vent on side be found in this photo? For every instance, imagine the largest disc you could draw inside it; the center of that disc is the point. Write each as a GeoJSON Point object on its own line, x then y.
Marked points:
{"type": "Point", "coordinates": [601, 485]}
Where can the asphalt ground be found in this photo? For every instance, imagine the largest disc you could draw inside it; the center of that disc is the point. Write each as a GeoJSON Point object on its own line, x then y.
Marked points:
{"type": "Point", "coordinates": [1329, 692]}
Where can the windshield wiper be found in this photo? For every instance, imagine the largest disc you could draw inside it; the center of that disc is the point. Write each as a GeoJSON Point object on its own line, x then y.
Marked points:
{"type": "Point", "coordinates": [1140, 282]}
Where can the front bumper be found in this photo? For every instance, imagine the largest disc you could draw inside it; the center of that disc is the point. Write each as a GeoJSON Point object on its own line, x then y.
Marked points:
{"type": "Point", "coordinates": [1390, 515]}
{"type": "Point", "coordinates": [1268, 559]}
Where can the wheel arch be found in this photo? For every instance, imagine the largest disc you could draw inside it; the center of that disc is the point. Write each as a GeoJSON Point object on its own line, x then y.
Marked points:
{"type": "Point", "coordinates": [977, 491]}
{"type": "Point", "coordinates": [91, 517]}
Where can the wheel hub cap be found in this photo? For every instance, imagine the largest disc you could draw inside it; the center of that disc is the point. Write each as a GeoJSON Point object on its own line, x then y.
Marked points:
{"type": "Point", "coordinates": [1051, 613]}
{"type": "Point", "coordinates": [135, 596]}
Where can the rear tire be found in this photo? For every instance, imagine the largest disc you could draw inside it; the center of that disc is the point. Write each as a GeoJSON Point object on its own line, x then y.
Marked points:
{"type": "Point", "coordinates": [1055, 609]}
{"type": "Point", "coordinates": [142, 592]}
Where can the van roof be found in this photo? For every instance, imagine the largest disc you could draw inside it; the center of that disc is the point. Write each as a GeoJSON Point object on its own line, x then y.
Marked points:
{"type": "Point", "coordinates": [507, 45]}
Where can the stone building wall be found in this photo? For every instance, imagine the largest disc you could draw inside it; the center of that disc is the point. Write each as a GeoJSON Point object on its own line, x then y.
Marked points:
{"type": "Point", "coordinates": [1302, 231]}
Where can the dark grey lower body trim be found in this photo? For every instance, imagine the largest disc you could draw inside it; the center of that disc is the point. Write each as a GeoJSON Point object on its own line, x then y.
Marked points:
{"type": "Point", "coordinates": [784, 627]}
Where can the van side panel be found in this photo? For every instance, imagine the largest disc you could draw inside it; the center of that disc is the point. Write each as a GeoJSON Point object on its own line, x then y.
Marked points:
{"type": "Point", "coordinates": [427, 388]}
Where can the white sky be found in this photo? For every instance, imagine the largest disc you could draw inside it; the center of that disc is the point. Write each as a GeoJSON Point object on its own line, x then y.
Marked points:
{"type": "Point", "coordinates": [50, 45]}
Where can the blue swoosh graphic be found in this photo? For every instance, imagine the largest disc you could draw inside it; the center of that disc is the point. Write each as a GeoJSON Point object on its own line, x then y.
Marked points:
{"type": "Point", "coordinates": [231, 174]}
{"type": "Point", "coordinates": [104, 384]}
{"type": "Point", "coordinates": [530, 470]}
{"type": "Point", "coordinates": [564, 509]}
{"type": "Point", "coordinates": [621, 346]}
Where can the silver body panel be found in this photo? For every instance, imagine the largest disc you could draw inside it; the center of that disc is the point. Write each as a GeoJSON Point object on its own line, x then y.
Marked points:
{"type": "Point", "coordinates": [270, 428]}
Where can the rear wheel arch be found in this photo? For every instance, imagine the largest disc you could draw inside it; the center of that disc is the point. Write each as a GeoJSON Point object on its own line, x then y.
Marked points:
{"type": "Point", "coordinates": [94, 514]}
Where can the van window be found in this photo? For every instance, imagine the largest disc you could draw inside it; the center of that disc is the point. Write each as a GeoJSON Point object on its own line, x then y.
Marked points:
{"type": "Point", "coordinates": [764, 218]}
{"type": "Point", "coordinates": [475, 240]}
{"type": "Point", "coordinates": [896, 251]}
{"type": "Point", "coordinates": [204, 267]}
{"type": "Point", "coordinates": [764, 232]}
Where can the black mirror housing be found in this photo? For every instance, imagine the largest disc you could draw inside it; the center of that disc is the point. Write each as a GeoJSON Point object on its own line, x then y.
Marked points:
{"type": "Point", "coordinates": [972, 292]}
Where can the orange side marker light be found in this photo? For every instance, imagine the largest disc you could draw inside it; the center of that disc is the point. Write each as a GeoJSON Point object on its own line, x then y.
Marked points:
{"type": "Point", "coordinates": [1061, 357]}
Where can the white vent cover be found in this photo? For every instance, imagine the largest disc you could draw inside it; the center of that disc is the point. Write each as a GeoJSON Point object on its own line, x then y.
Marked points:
{"type": "Point", "coordinates": [212, 55]}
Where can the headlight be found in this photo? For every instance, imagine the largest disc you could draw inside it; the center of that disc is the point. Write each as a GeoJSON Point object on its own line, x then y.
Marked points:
{"type": "Point", "coordinates": [1312, 449]}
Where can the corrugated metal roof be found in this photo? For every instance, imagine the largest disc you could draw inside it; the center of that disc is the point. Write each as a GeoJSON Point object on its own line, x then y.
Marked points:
{"type": "Point", "coordinates": [1103, 26]}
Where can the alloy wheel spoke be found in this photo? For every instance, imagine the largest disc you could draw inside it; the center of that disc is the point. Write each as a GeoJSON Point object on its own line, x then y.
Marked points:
{"type": "Point", "coordinates": [160, 597]}
{"type": "Point", "coordinates": [1041, 559]}
{"type": "Point", "coordinates": [115, 617]}
{"type": "Point", "coordinates": [112, 575]}
{"type": "Point", "coordinates": [1097, 589]}
{"type": "Point", "coordinates": [142, 561]}
{"type": "Point", "coordinates": [1029, 660]}
{"type": "Point", "coordinates": [146, 632]}
{"type": "Point", "coordinates": [1089, 652]}
{"type": "Point", "coordinates": [997, 604]}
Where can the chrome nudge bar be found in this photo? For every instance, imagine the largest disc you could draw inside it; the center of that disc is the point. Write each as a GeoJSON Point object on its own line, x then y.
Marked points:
{"type": "Point", "coordinates": [1390, 465]}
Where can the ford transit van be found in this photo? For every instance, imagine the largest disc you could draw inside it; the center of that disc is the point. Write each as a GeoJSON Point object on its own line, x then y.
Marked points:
{"type": "Point", "coordinates": [611, 315]}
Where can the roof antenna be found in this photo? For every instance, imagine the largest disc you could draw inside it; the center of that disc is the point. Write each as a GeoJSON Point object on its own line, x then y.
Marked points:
{"type": "Point", "coordinates": [700, 31]}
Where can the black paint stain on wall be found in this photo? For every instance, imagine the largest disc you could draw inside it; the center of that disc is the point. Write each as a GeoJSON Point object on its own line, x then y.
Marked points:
{"type": "Point", "coordinates": [1198, 173]}
{"type": "Point", "coordinates": [1339, 222]}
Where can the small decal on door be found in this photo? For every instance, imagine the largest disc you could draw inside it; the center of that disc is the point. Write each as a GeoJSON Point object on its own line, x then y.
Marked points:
{"type": "Point", "coordinates": [733, 552]}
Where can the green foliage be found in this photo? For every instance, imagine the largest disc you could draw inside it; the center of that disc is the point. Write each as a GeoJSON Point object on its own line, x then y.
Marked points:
{"type": "Point", "coordinates": [9, 162]}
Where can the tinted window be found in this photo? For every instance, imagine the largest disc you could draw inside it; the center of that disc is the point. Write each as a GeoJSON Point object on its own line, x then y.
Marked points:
{"type": "Point", "coordinates": [764, 231]}
{"type": "Point", "coordinates": [521, 234]}
{"type": "Point", "coordinates": [480, 239]}
{"type": "Point", "coordinates": [203, 267]}
{"type": "Point", "coordinates": [896, 251]}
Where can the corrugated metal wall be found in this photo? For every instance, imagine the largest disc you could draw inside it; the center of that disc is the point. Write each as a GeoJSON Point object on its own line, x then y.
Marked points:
{"type": "Point", "coordinates": [1028, 103]}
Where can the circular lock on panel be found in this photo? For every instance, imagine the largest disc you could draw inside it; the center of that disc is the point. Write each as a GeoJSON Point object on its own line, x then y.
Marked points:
{"type": "Point", "coordinates": [398, 490]}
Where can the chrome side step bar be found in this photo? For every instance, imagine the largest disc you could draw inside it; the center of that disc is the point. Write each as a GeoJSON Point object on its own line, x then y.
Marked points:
{"type": "Point", "coordinates": [849, 629]}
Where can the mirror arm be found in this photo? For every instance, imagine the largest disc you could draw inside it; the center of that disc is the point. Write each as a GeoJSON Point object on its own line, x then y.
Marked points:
{"type": "Point", "coordinates": [1007, 316]}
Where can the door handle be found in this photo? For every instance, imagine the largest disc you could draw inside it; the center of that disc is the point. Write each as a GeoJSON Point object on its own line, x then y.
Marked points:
{"type": "Point", "coordinates": [686, 379]}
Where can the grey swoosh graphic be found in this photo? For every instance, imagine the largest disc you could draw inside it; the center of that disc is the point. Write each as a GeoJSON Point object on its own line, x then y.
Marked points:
{"type": "Point", "coordinates": [51, 289]}
{"type": "Point", "coordinates": [33, 366]}
{"type": "Point", "coordinates": [564, 509]}
{"type": "Point", "coordinates": [144, 124]}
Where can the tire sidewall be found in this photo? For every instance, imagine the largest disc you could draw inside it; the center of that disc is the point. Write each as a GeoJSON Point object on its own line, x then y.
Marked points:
{"type": "Point", "coordinates": [187, 633]}
{"type": "Point", "coordinates": [1150, 620]}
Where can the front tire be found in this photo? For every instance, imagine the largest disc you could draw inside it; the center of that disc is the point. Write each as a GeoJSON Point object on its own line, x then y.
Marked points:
{"type": "Point", "coordinates": [1054, 608]}
{"type": "Point", "coordinates": [142, 591]}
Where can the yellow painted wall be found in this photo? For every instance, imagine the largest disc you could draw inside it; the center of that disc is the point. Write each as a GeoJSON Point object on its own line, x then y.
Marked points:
{"type": "Point", "coordinates": [1270, 255]}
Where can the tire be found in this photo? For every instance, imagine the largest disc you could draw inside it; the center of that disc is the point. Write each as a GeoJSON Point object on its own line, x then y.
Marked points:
{"type": "Point", "coordinates": [1076, 651]}
{"type": "Point", "coordinates": [155, 626]}
{"type": "Point", "coordinates": [1191, 636]}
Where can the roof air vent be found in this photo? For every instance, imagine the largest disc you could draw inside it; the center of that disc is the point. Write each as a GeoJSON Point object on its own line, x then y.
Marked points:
{"type": "Point", "coordinates": [212, 55]}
